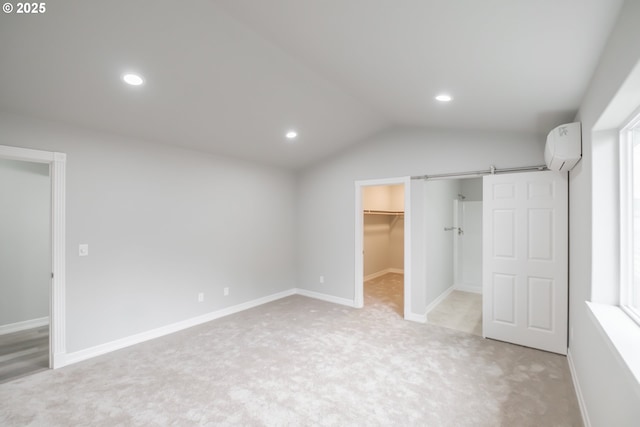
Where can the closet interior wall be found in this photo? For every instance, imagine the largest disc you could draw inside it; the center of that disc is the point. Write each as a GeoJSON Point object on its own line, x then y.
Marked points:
{"type": "Point", "coordinates": [451, 263]}
{"type": "Point", "coordinates": [383, 238]}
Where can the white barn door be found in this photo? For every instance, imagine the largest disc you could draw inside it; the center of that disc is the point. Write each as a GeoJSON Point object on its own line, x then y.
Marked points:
{"type": "Point", "coordinates": [525, 259]}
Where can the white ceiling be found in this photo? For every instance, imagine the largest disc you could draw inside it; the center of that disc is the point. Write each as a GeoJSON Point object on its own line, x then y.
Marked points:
{"type": "Point", "coordinates": [232, 76]}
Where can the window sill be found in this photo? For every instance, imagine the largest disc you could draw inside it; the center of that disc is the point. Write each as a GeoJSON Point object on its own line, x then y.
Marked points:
{"type": "Point", "coordinates": [621, 332]}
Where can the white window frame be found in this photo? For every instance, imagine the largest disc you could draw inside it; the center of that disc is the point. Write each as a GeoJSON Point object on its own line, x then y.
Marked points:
{"type": "Point", "coordinates": [629, 136]}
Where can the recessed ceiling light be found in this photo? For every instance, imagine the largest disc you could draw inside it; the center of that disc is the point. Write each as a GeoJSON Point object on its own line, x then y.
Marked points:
{"type": "Point", "coordinates": [292, 134]}
{"type": "Point", "coordinates": [133, 79]}
{"type": "Point", "coordinates": [444, 97]}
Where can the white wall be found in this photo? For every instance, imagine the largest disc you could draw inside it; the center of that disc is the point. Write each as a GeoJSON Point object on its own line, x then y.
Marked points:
{"type": "Point", "coordinates": [326, 199]}
{"type": "Point", "coordinates": [396, 197]}
{"type": "Point", "coordinates": [470, 247]}
{"type": "Point", "coordinates": [383, 239]}
{"type": "Point", "coordinates": [383, 243]}
{"type": "Point", "coordinates": [25, 241]}
{"type": "Point", "coordinates": [439, 197]}
{"type": "Point", "coordinates": [162, 224]}
{"type": "Point", "coordinates": [396, 243]}
{"type": "Point", "coordinates": [383, 198]}
{"type": "Point", "coordinates": [471, 189]}
{"type": "Point", "coordinates": [375, 244]}
{"type": "Point", "coordinates": [609, 393]}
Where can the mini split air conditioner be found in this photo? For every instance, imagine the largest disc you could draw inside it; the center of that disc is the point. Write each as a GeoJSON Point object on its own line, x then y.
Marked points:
{"type": "Point", "coordinates": [564, 147]}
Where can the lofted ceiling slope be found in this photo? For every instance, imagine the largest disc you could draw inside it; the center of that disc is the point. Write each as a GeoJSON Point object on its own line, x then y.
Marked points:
{"type": "Point", "coordinates": [233, 76]}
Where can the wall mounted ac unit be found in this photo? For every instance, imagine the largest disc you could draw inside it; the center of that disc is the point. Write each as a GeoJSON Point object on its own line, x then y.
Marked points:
{"type": "Point", "coordinates": [564, 147]}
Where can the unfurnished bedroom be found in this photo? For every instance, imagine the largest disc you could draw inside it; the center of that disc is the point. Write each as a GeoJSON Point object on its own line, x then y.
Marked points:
{"type": "Point", "coordinates": [337, 212]}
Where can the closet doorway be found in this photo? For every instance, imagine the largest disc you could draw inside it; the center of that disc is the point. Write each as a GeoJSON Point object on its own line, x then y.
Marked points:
{"type": "Point", "coordinates": [454, 253]}
{"type": "Point", "coordinates": [382, 270]}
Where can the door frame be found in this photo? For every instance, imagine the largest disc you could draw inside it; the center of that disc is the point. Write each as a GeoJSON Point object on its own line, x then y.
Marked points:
{"type": "Point", "coordinates": [57, 312]}
{"type": "Point", "coordinates": [358, 300]}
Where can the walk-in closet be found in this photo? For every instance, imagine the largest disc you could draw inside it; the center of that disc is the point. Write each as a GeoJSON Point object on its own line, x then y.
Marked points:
{"type": "Point", "coordinates": [383, 246]}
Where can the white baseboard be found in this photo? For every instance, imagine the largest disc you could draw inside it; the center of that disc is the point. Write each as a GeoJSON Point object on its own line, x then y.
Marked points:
{"type": "Point", "coordinates": [375, 275]}
{"type": "Point", "coordinates": [324, 297]}
{"type": "Point", "coordinates": [579, 395]}
{"type": "Point", "coordinates": [383, 272]}
{"type": "Point", "coordinates": [439, 299]}
{"type": "Point", "coordinates": [24, 325]}
{"type": "Point", "coordinates": [468, 288]}
{"type": "Point", "coordinates": [78, 356]}
{"type": "Point", "coordinates": [415, 317]}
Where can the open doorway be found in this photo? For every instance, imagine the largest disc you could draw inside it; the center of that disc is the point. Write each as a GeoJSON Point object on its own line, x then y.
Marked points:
{"type": "Point", "coordinates": [55, 165]}
{"type": "Point", "coordinates": [454, 253]}
{"type": "Point", "coordinates": [383, 244]}
{"type": "Point", "coordinates": [25, 267]}
{"type": "Point", "coordinates": [383, 247]}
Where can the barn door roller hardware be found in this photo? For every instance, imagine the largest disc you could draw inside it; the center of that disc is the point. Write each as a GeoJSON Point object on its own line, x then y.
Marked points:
{"type": "Point", "coordinates": [492, 171]}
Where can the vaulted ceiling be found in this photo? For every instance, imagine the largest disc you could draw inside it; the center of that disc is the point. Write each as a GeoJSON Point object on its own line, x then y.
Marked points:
{"type": "Point", "coordinates": [233, 76]}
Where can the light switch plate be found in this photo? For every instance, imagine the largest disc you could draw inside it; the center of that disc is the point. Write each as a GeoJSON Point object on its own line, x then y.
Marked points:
{"type": "Point", "coordinates": [83, 250]}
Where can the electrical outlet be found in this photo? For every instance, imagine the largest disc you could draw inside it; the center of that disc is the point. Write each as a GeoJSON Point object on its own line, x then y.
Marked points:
{"type": "Point", "coordinates": [83, 249]}
{"type": "Point", "coordinates": [226, 292]}
{"type": "Point", "coordinates": [321, 279]}
{"type": "Point", "coordinates": [201, 297]}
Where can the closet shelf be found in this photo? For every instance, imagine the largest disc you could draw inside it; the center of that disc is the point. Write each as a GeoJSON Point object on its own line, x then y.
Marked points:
{"type": "Point", "coordinates": [377, 212]}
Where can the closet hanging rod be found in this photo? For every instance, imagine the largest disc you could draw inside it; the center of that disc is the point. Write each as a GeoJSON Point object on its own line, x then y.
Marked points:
{"type": "Point", "coordinates": [491, 171]}
{"type": "Point", "coordinates": [379, 212]}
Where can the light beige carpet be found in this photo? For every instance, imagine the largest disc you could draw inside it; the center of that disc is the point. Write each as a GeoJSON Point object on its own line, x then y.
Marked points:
{"type": "Point", "coordinates": [461, 311]}
{"type": "Point", "coordinates": [385, 294]}
{"type": "Point", "coordinates": [303, 362]}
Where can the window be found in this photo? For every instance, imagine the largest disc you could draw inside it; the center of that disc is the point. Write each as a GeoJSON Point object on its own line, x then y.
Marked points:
{"type": "Point", "coordinates": [630, 218]}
